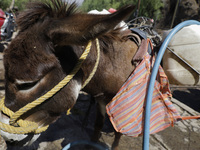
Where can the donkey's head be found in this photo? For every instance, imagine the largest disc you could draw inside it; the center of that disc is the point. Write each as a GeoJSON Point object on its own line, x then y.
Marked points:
{"type": "Point", "coordinates": [51, 38]}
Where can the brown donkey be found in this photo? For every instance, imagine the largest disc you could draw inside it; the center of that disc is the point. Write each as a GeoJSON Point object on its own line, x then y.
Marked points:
{"type": "Point", "coordinates": [52, 36]}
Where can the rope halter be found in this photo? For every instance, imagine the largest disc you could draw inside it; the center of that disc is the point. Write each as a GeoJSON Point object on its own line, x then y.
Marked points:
{"type": "Point", "coordinates": [19, 126]}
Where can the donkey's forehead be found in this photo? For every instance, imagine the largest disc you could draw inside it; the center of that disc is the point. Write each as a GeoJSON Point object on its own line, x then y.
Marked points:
{"type": "Point", "coordinates": [28, 56]}
{"type": "Point", "coordinates": [28, 43]}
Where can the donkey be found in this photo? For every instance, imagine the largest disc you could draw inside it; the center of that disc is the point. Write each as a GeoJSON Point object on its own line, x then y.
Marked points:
{"type": "Point", "coordinates": [51, 38]}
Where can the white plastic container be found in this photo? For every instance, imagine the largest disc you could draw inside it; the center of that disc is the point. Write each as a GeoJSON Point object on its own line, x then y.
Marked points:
{"type": "Point", "coordinates": [186, 44]}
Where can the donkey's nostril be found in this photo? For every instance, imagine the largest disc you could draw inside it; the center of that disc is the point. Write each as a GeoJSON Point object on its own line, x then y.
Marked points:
{"type": "Point", "coordinates": [11, 140]}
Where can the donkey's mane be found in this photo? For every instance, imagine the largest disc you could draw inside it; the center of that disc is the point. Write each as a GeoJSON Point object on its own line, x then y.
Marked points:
{"type": "Point", "coordinates": [38, 11]}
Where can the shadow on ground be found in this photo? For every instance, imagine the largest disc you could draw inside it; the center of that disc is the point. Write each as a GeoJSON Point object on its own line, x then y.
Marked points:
{"type": "Point", "coordinates": [188, 96]}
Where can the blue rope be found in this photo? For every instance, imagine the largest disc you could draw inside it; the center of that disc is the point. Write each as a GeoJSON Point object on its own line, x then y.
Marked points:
{"type": "Point", "coordinates": [153, 77]}
{"type": "Point", "coordinates": [84, 142]}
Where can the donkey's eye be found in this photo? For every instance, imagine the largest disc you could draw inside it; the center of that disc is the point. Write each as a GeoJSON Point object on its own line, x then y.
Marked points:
{"type": "Point", "coordinates": [25, 85]}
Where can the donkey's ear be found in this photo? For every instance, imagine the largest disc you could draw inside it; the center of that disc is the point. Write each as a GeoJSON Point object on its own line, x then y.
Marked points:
{"type": "Point", "coordinates": [80, 28]}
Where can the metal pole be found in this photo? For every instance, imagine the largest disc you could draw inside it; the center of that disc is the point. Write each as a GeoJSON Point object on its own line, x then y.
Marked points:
{"type": "Point", "coordinates": [184, 61]}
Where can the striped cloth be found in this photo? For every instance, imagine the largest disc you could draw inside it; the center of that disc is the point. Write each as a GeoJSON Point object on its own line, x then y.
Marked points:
{"type": "Point", "coordinates": [126, 110]}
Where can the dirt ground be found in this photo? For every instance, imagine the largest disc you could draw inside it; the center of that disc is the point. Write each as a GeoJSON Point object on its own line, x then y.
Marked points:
{"type": "Point", "coordinates": [184, 135]}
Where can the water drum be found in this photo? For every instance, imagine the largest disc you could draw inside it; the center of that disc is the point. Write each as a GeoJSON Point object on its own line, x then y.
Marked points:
{"type": "Point", "coordinates": [186, 44]}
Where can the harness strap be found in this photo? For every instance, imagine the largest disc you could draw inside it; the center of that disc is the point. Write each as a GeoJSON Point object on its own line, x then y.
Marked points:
{"type": "Point", "coordinates": [190, 117]}
{"type": "Point", "coordinates": [135, 38]}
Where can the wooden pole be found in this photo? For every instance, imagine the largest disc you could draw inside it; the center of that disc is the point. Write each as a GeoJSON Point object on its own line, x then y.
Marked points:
{"type": "Point", "coordinates": [12, 5]}
{"type": "Point", "coordinates": [175, 12]}
{"type": "Point", "coordinates": [138, 8]}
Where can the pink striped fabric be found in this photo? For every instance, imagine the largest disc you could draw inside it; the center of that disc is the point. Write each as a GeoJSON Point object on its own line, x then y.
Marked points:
{"type": "Point", "coordinates": [126, 110]}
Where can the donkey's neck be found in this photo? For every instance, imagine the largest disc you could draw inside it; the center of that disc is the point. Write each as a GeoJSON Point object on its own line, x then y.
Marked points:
{"type": "Point", "coordinates": [110, 74]}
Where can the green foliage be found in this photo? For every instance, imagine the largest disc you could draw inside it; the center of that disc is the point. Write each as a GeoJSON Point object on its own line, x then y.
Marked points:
{"type": "Point", "coordinates": [104, 4]}
{"type": "Point", "coordinates": [148, 8]}
{"type": "Point", "coordinates": [20, 4]}
{"type": "Point", "coordinates": [5, 4]}
{"type": "Point", "coordinates": [151, 8]}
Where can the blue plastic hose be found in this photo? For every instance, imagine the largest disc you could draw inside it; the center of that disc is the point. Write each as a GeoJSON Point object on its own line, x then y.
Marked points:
{"type": "Point", "coordinates": [84, 142]}
{"type": "Point", "coordinates": [153, 78]}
